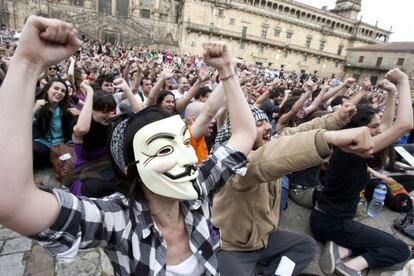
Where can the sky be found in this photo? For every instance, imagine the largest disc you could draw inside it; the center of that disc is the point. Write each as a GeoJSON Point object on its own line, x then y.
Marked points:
{"type": "Point", "coordinates": [396, 13]}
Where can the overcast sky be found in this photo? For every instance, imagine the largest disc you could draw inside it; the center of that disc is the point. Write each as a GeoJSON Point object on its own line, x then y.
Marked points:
{"type": "Point", "coordinates": [396, 13]}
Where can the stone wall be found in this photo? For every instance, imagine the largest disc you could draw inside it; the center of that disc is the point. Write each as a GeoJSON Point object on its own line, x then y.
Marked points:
{"type": "Point", "coordinates": [356, 66]}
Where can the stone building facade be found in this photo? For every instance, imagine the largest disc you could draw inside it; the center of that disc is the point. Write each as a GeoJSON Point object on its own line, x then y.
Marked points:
{"type": "Point", "coordinates": [277, 33]}
{"type": "Point", "coordinates": [374, 61]}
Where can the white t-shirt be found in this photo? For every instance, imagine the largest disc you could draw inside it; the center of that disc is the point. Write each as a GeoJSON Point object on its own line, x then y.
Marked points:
{"type": "Point", "coordinates": [177, 94]}
{"type": "Point", "coordinates": [189, 267]}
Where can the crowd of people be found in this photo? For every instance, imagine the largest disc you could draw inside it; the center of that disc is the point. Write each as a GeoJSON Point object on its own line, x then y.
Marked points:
{"type": "Point", "coordinates": [177, 164]}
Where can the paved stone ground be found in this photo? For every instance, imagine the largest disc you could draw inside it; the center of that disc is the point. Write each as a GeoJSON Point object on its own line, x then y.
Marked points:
{"type": "Point", "coordinates": [21, 256]}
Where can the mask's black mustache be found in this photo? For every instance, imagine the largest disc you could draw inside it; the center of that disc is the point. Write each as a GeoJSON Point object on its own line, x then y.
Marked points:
{"type": "Point", "coordinates": [189, 170]}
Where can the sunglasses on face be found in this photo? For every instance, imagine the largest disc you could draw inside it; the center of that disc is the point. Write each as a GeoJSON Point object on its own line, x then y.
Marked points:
{"type": "Point", "coordinates": [53, 68]}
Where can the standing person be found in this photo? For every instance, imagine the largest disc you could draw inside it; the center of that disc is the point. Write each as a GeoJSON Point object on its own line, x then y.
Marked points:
{"type": "Point", "coordinates": [164, 227]}
{"type": "Point", "coordinates": [332, 221]}
{"type": "Point", "coordinates": [53, 121]}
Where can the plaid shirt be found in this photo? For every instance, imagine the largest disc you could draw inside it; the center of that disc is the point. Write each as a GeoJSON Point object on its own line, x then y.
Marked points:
{"type": "Point", "coordinates": [127, 232]}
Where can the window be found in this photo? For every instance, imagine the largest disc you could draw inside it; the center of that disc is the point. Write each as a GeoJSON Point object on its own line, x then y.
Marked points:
{"type": "Point", "coordinates": [400, 61]}
{"type": "Point", "coordinates": [336, 64]}
{"type": "Point", "coordinates": [232, 21]}
{"type": "Point", "coordinates": [220, 12]}
{"type": "Point", "coordinates": [322, 45]}
{"type": "Point", "coordinates": [244, 32]}
{"type": "Point", "coordinates": [340, 49]}
{"type": "Point", "coordinates": [305, 58]}
{"type": "Point", "coordinates": [285, 54]}
{"type": "Point", "coordinates": [277, 32]}
{"type": "Point", "coordinates": [288, 37]}
{"type": "Point", "coordinates": [373, 80]}
{"type": "Point", "coordinates": [242, 45]}
{"type": "Point", "coordinates": [361, 59]}
{"type": "Point", "coordinates": [379, 61]}
{"type": "Point", "coordinates": [308, 41]}
{"type": "Point", "coordinates": [318, 61]}
{"type": "Point", "coordinates": [211, 27]}
{"type": "Point", "coordinates": [264, 32]}
{"type": "Point", "coordinates": [105, 6]}
{"type": "Point", "coordinates": [260, 48]}
{"type": "Point", "coordinates": [78, 3]}
{"type": "Point", "coordinates": [145, 13]}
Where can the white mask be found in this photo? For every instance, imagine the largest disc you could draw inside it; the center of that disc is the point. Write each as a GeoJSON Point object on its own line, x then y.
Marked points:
{"type": "Point", "coordinates": [166, 160]}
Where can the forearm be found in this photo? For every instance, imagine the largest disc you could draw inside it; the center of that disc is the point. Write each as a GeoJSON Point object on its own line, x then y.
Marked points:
{"type": "Point", "coordinates": [154, 92]}
{"type": "Point", "coordinates": [315, 104]}
{"type": "Point", "coordinates": [71, 71]}
{"type": "Point", "coordinates": [355, 99]}
{"type": "Point", "coordinates": [133, 101]}
{"type": "Point", "coordinates": [259, 102]}
{"type": "Point", "coordinates": [183, 102]}
{"type": "Point", "coordinates": [333, 91]}
{"type": "Point", "coordinates": [241, 119]}
{"type": "Point", "coordinates": [85, 117]}
{"type": "Point", "coordinates": [404, 111]}
{"type": "Point", "coordinates": [136, 82]}
{"type": "Point", "coordinates": [388, 116]}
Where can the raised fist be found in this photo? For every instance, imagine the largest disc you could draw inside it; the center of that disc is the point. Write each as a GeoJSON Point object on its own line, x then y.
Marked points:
{"type": "Point", "coordinates": [387, 86]}
{"type": "Point", "coordinates": [396, 76]}
{"type": "Point", "coordinates": [216, 55]}
{"type": "Point", "coordinates": [45, 41]}
{"type": "Point", "coordinates": [349, 82]}
{"type": "Point", "coordinates": [353, 140]}
{"type": "Point", "coordinates": [347, 111]}
{"type": "Point", "coordinates": [366, 84]}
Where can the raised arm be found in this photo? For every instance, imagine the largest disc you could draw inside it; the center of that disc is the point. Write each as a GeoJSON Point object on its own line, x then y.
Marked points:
{"type": "Point", "coordinates": [186, 98]}
{"type": "Point", "coordinates": [159, 84]}
{"type": "Point", "coordinates": [71, 69]}
{"type": "Point", "coordinates": [121, 84]}
{"type": "Point", "coordinates": [389, 112]}
{"type": "Point", "coordinates": [216, 100]}
{"type": "Point", "coordinates": [23, 207]}
{"type": "Point", "coordinates": [315, 103]}
{"type": "Point", "coordinates": [339, 90]}
{"type": "Point", "coordinates": [404, 119]}
{"type": "Point", "coordinates": [85, 117]}
{"type": "Point", "coordinates": [241, 119]}
{"type": "Point", "coordinates": [285, 118]}
{"type": "Point", "coordinates": [357, 97]}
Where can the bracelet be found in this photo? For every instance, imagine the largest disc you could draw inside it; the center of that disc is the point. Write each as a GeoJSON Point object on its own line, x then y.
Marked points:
{"type": "Point", "coordinates": [228, 77]}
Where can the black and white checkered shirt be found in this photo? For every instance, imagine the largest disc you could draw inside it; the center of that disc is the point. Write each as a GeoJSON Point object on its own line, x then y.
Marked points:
{"type": "Point", "coordinates": [128, 234]}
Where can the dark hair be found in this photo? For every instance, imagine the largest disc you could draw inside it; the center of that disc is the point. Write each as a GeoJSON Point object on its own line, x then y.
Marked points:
{"type": "Point", "coordinates": [202, 92]}
{"type": "Point", "coordinates": [162, 95]}
{"type": "Point", "coordinates": [104, 102]}
{"type": "Point", "coordinates": [287, 105]}
{"type": "Point", "coordinates": [98, 134]}
{"type": "Point", "coordinates": [131, 183]}
{"type": "Point", "coordinates": [44, 116]}
{"type": "Point", "coordinates": [106, 77]}
{"type": "Point", "coordinates": [276, 92]}
{"type": "Point", "coordinates": [338, 100]}
{"type": "Point", "coordinates": [364, 115]}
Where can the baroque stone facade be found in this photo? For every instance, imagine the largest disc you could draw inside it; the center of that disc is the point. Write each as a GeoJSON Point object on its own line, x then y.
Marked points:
{"type": "Point", "coordinates": [268, 32]}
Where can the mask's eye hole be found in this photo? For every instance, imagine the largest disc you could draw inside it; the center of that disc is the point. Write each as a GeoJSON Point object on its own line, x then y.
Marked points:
{"type": "Point", "coordinates": [165, 151]}
{"type": "Point", "coordinates": [187, 142]}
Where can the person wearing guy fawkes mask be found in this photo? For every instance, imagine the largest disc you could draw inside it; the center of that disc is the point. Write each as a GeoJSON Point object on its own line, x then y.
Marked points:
{"type": "Point", "coordinates": [162, 226]}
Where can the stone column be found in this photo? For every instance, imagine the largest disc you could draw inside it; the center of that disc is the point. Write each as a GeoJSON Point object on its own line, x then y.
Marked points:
{"type": "Point", "coordinates": [113, 7]}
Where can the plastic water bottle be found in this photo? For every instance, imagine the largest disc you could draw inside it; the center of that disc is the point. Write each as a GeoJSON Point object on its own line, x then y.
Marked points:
{"type": "Point", "coordinates": [377, 202]}
{"type": "Point", "coordinates": [362, 205]}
